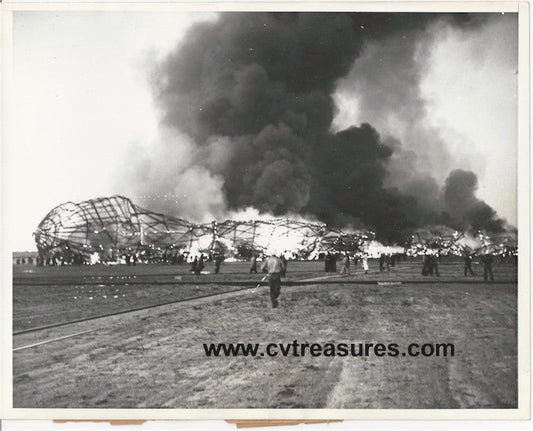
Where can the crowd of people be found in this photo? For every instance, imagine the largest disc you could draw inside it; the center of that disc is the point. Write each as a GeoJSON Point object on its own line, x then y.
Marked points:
{"type": "Point", "coordinates": [275, 264]}
{"type": "Point", "coordinates": [430, 261]}
{"type": "Point", "coordinates": [198, 263]}
{"type": "Point", "coordinates": [68, 257]}
{"type": "Point", "coordinates": [386, 261]}
{"type": "Point", "coordinates": [430, 264]}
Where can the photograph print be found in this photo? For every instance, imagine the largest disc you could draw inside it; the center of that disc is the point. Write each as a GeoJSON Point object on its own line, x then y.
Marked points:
{"type": "Point", "coordinates": [263, 210]}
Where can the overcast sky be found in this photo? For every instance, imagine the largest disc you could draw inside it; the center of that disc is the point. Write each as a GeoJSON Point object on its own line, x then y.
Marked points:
{"type": "Point", "coordinates": [83, 102]}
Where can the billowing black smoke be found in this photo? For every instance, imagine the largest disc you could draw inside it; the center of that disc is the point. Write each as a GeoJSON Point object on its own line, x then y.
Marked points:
{"type": "Point", "coordinates": [464, 208]}
{"type": "Point", "coordinates": [258, 87]}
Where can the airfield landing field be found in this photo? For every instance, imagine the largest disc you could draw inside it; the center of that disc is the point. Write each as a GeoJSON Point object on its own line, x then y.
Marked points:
{"type": "Point", "coordinates": [154, 358]}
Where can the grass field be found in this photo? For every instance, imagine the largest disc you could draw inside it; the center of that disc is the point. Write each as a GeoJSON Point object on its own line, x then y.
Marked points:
{"type": "Point", "coordinates": [154, 358]}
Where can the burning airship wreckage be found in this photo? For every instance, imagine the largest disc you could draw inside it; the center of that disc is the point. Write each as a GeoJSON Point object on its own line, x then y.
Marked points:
{"type": "Point", "coordinates": [113, 228]}
{"type": "Point", "coordinates": [105, 229]}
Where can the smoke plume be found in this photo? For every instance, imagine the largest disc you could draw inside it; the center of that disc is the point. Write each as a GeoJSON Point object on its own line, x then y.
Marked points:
{"type": "Point", "coordinates": [255, 96]}
{"type": "Point", "coordinates": [467, 211]}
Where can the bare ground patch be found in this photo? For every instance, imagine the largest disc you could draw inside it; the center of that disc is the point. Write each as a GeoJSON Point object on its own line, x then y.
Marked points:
{"type": "Point", "coordinates": [156, 359]}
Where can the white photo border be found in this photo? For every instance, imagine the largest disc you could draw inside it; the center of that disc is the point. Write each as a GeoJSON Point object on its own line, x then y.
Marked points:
{"type": "Point", "coordinates": [524, 171]}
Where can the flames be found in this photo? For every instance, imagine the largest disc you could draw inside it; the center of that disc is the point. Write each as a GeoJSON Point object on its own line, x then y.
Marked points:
{"type": "Point", "coordinates": [110, 228]}
{"type": "Point", "coordinates": [114, 226]}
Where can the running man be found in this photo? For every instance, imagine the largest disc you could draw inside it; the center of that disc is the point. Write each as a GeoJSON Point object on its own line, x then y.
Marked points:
{"type": "Point", "coordinates": [274, 267]}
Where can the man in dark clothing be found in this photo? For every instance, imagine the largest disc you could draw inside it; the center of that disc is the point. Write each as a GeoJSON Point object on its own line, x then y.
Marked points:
{"type": "Point", "coordinates": [346, 265]}
{"type": "Point", "coordinates": [468, 265]}
{"type": "Point", "coordinates": [253, 265]}
{"type": "Point", "coordinates": [381, 262]}
{"type": "Point", "coordinates": [274, 267]}
{"type": "Point", "coordinates": [200, 264]}
{"type": "Point", "coordinates": [194, 265]}
{"type": "Point", "coordinates": [218, 261]}
{"type": "Point", "coordinates": [487, 260]}
{"type": "Point", "coordinates": [435, 264]}
{"type": "Point", "coordinates": [425, 265]}
{"type": "Point", "coordinates": [284, 263]}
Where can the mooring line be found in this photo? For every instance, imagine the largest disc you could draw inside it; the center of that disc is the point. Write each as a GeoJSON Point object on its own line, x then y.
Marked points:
{"type": "Point", "coordinates": [54, 339]}
{"type": "Point", "coordinates": [131, 310]}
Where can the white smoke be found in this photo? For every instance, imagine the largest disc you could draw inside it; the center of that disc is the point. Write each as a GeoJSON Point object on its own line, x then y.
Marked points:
{"type": "Point", "coordinates": [167, 177]}
{"type": "Point", "coordinates": [375, 249]}
{"type": "Point", "coordinates": [444, 101]}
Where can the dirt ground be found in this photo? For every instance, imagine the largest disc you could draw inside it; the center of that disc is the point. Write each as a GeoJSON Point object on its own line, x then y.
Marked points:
{"type": "Point", "coordinates": [155, 359]}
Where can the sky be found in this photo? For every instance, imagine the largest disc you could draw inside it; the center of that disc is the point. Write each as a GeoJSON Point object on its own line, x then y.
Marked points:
{"type": "Point", "coordinates": [83, 105]}
{"type": "Point", "coordinates": [82, 102]}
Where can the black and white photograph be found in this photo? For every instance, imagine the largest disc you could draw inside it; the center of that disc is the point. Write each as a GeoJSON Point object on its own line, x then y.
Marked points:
{"type": "Point", "coordinates": [281, 209]}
